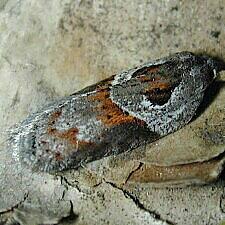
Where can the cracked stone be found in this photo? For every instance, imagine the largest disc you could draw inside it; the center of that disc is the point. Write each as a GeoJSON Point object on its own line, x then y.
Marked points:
{"type": "Point", "coordinates": [110, 200]}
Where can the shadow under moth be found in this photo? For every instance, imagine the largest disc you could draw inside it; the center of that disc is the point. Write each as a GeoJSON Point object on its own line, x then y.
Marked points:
{"type": "Point", "coordinates": [132, 108]}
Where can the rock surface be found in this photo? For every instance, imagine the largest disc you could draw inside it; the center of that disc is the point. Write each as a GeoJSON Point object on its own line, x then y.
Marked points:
{"type": "Point", "coordinates": [49, 49]}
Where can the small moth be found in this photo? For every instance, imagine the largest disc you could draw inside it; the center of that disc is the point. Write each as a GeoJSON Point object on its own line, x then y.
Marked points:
{"type": "Point", "coordinates": [130, 109]}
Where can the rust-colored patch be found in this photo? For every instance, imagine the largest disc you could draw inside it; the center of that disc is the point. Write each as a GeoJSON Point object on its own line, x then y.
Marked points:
{"type": "Point", "coordinates": [144, 78]}
{"type": "Point", "coordinates": [69, 135]}
{"type": "Point", "coordinates": [162, 85]}
{"type": "Point", "coordinates": [109, 113]}
{"type": "Point", "coordinates": [153, 69]}
{"type": "Point", "coordinates": [53, 118]}
{"type": "Point", "coordinates": [159, 87]}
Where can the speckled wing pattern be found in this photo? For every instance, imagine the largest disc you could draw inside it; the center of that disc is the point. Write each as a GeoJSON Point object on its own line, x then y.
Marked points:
{"type": "Point", "coordinates": [118, 114]}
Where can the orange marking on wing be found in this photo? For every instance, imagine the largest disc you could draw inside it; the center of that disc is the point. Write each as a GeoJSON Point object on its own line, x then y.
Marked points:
{"type": "Point", "coordinates": [153, 69]}
{"type": "Point", "coordinates": [162, 85]}
{"type": "Point", "coordinates": [70, 135]}
{"type": "Point", "coordinates": [53, 118]}
{"type": "Point", "coordinates": [145, 75]}
{"type": "Point", "coordinates": [109, 113]}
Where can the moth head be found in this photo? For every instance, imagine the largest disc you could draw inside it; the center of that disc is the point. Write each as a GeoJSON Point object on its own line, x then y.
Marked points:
{"type": "Point", "coordinates": [204, 69]}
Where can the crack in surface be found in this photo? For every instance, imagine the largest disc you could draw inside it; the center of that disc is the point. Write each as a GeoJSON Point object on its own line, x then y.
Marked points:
{"type": "Point", "coordinates": [136, 201]}
{"type": "Point", "coordinates": [66, 183]}
{"type": "Point", "coordinates": [126, 193]}
{"type": "Point", "coordinates": [133, 171]}
{"type": "Point", "coordinates": [16, 205]}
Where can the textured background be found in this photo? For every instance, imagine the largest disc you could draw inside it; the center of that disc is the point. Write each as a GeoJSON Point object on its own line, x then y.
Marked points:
{"type": "Point", "coordinates": [49, 49]}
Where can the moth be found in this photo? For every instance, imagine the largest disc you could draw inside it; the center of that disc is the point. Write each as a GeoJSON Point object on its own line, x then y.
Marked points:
{"type": "Point", "coordinates": [127, 110]}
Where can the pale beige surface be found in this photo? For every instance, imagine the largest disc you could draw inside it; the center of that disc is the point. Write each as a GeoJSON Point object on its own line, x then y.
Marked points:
{"type": "Point", "coordinates": [49, 49]}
